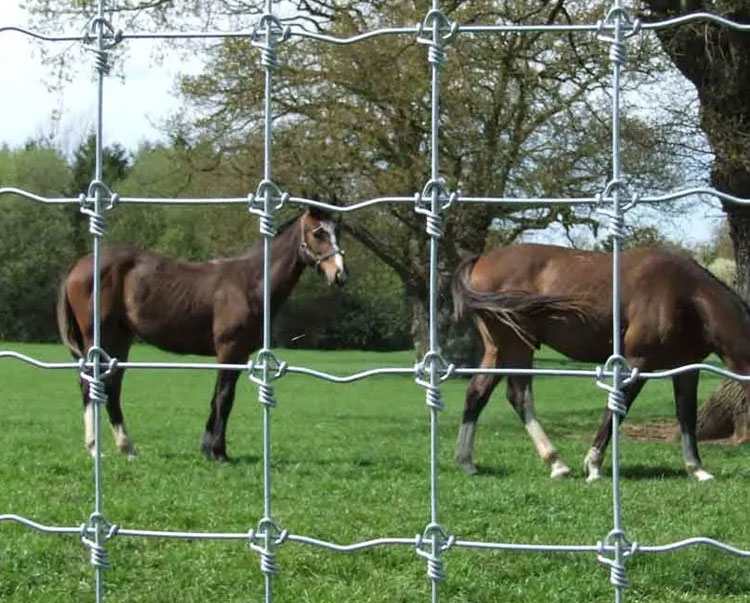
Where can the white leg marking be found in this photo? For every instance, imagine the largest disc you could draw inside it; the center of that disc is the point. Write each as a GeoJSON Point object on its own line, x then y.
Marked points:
{"type": "Point", "coordinates": [123, 441]}
{"type": "Point", "coordinates": [701, 475]}
{"type": "Point", "coordinates": [465, 447]}
{"type": "Point", "coordinates": [592, 463]}
{"type": "Point", "coordinates": [559, 469]}
{"type": "Point", "coordinates": [88, 429]}
{"type": "Point", "coordinates": [546, 449]}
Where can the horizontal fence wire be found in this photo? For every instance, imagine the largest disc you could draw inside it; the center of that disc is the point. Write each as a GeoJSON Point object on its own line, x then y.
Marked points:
{"type": "Point", "coordinates": [344, 209]}
{"type": "Point", "coordinates": [433, 370]}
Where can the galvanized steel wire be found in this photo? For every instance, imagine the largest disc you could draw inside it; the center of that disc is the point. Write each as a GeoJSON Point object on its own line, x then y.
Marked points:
{"type": "Point", "coordinates": [436, 32]}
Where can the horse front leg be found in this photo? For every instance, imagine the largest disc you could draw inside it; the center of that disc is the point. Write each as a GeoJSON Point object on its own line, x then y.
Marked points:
{"type": "Point", "coordinates": [522, 400]}
{"type": "Point", "coordinates": [592, 462]}
{"type": "Point", "coordinates": [123, 440]}
{"type": "Point", "coordinates": [221, 408]}
{"type": "Point", "coordinates": [686, 404]}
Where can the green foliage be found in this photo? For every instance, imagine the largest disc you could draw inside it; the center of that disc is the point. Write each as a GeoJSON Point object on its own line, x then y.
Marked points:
{"type": "Point", "coordinates": [36, 244]}
{"type": "Point", "coordinates": [369, 313]}
{"type": "Point", "coordinates": [350, 463]}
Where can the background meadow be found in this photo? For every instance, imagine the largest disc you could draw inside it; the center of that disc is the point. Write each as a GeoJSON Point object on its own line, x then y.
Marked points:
{"type": "Point", "coordinates": [351, 463]}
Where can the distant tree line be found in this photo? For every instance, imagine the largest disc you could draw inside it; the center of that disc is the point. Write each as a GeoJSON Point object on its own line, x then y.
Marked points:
{"type": "Point", "coordinates": [39, 243]}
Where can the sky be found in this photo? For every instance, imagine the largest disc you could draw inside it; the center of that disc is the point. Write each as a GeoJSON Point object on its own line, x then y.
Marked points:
{"type": "Point", "coordinates": [133, 108]}
{"type": "Point", "coordinates": [137, 104]}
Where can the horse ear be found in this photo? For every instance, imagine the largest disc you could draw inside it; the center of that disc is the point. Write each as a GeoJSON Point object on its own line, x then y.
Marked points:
{"type": "Point", "coordinates": [317, 213]}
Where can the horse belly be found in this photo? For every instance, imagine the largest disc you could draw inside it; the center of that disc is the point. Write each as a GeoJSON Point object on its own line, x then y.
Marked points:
{"type": "Point", "coordinates": [169, 326]}
{"type": "Point", "coordinates": [580, 342]}
{"type": "Point", "coordinates": [178, 336]}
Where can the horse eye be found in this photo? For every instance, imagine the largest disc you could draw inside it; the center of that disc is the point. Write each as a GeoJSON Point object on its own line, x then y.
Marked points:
{"type": "Point", "coordinates": [319, 234]}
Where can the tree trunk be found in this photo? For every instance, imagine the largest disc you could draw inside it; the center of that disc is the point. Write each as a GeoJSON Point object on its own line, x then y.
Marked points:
{"type": "Point", "coordinates": [458, 342]}
{"type": "Point", "coordinates": [716, 60]}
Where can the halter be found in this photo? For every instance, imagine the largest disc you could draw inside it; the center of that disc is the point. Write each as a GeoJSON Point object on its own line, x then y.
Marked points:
{"type": "Point", "coordinates": [315, 258]}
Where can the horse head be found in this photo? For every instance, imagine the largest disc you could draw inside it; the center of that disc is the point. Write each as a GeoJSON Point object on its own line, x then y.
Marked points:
{"type": "Point", "coordinates": [319, 245]}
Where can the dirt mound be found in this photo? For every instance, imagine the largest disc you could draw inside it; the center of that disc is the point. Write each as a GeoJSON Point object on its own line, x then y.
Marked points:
{"type": "Point", "coordinates": [658, 431]}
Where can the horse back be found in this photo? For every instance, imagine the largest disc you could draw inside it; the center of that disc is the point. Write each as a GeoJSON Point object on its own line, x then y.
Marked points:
{"type": "Point", "coordinates": [672, 310]}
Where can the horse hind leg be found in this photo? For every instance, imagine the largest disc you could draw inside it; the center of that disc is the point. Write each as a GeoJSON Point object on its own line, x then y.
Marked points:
{"type": "Point", "coordinates": [478, 393]}
{"type": "Point", "coordinates": [522, 400]}
{"type": "Point", "coordinates": [592, 462]}
{"type": "Point", "coordinates": [685, 396]}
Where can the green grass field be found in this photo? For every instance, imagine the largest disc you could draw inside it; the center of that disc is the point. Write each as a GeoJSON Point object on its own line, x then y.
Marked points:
{"type": "Point", "coordinates": [351, 463]}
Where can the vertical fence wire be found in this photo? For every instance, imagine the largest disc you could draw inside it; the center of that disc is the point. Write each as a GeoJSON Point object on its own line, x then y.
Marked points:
{"type": "Point", "coordinates": [97, 233]}
{"type": "Point", "coordinates": [435, 32]}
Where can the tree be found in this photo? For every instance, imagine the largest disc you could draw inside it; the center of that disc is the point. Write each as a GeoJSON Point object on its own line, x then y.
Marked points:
{"type": "Point", "coordinates": [716, 60]}
{"type": "Point", "coordinates": [521, 115]}
{"type": "Point", "coordinates": [36, 244]}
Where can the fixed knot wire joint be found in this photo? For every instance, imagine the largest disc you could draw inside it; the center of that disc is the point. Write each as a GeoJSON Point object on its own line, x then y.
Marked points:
{"type": "Point", "coordinates": [267, 190]}
{"type": "Point", "coordinates": [268, 369]}
{"type": "Point", "coordinates": [621, 23]}
{"type": "Point", "coordinates": [431, 545]}
{"type": "Point", "coordinates": [616, 219]}
{"type": "Point", "coordinates": [103, 531]}
{"type": "Point", "coordinates": [95, 357]}
{"type": "Point", "coordinates": [443, 32]}
{"type": "Point", "coordinates": [616, 401]}
{"type": "Point", "coordinates": [97, 190]}
{"type": "Point", "coordinates": [434, 189]}
{"type": "Point", "coordinates": [616, 539]}
{"type": "Point", "coordinates": [271, 536]}
{"type": "Point", "coordinates": [432, 370]}
{"type": "Point", "coordinates": [266, 35]}
{"type": "Point", "coordinates": [99, 37]}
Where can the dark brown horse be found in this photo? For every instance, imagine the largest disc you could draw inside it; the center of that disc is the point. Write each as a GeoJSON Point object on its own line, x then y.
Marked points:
{"type": "Point", "coordinates": [212, 308]}
{"type": "Point", "coordinates": [673, 312]}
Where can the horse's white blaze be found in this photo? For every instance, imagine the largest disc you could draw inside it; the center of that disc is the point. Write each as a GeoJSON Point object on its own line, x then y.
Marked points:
{"type": "Point", "coordinates": [338, 258]}
{"type": "Point", "coordinates": [465, 446]}
{"type": "Point", "coordinates": [88, 423]}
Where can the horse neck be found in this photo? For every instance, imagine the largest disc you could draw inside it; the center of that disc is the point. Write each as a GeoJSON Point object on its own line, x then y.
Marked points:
{"type": "Point", "coordinates": [286, 263]}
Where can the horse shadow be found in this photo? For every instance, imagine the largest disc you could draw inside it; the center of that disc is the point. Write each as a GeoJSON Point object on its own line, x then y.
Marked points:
{"type": "Point", "coordinates": [651, 472]}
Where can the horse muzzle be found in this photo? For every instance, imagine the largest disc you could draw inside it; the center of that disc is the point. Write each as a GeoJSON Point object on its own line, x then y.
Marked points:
{"type": "Point", "coordinates": [341, 277]}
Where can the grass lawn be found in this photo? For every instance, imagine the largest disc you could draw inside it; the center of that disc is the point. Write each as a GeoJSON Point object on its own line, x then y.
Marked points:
{"type": "Point", "coordinates": [351, 463]}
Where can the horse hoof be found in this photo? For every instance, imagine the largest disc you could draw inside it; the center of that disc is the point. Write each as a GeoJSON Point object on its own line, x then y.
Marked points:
{"type": "Point", "coordinates": [469, 468]}
{"type": "Point", "coordinates": [702, 476]}
{"type": "Point", "coordinates": [593, 477]}
{"type": "Point", "coordinates": [559, 470]}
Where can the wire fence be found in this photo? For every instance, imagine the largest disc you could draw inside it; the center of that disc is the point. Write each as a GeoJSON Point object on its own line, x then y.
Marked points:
{"type": "Point", "coordinates": [435, 32]}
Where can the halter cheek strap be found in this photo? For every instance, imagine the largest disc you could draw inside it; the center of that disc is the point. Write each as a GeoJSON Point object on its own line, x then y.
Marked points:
{"type": "Point", "coordinates": [315, 258]}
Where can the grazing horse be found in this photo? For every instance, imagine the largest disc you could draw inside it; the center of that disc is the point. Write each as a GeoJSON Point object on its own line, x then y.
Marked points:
{"type": "Point", "coordinates": [673, 312]}
{"type": "Point", "coordinates": [211, 308]}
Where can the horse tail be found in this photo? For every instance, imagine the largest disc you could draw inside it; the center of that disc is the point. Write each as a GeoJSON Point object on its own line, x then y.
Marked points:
{"type": "Point", "coordinates": [461, 289]}
{"type": "Point", "coordinates": [67, 324]}
{"type": "Point", "coordinates": [512, 308]}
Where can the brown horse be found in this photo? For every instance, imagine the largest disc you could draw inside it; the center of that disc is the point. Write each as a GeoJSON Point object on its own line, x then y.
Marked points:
{"type": "Point", "coordinates": [212, 308]}
{"type": "Point", "coordinates": [673, 312]}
